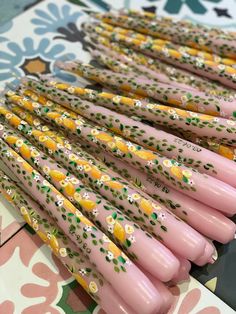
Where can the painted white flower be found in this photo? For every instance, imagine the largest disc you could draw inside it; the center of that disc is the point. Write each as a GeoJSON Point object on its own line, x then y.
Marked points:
{"type": "Point", "coordinates": [150, 163]}
{"type": "Point", "coordinates": [110, 255]}
{"type": "Point", "coordinates": [162, 216]}
{"type": "Point", "coordinates": [138, 103]}
{"type": "Point", "coordinates": [191, 182]}
{"type": "Point", "coordinates": [221, 67]}
{"type": "Point", "coordinates": [86, 196]}
{"type": "Point", "coordinates": [132, 239]}
{"type": "Point", "coordinates": [19, 143]}
{"type": "Point", "coordinates": [8, 116]}
{"type": "Point", "coordinates": [4, 135]}
{"type": "Point", "coordinates": [9, 191]}
{"type": "Point", "coordinates": [171, 111]}
{"type": "Point", "coordinates": [175, 116]}
{"type": "Point", "coordinates": [99, 183]}
{"type": "Point", "coordinates": [95, 212]}
{"type": "Point", "coordinates": [67, 152]}
{"type": "Point", "coordinates": [105, 178]}
{"type": "Point", "coordinates": [83, 271]}
{"type": "Point", "coordinates": [199, 62]}
{"type": "Point", "coordinates": [74, 180]}
{"type": "Point", "coordinates": [19, 159]}
{"type": "Point", "coordinates": [216, 119]}
{"type": "Point", "coordinates": [165, 52]}
{"type": "Point", "coordinates": [130, 199]}
{"type": "Point", "coordinates": [94, 140]}
{"type": "Point", "coordinates": [35, 226]}
{"type": "Point", "coordinates": [193, 114]}
{"type": "Point", "coordinates": [36, 122]}
{"type": "Point", "coordinates": [46, 183]}
{"type": "Point", "coordinates": [38, 112]}
{"type": "Point", "coordinates": [60, 146]}
{"type": "Point", "coordinates": [36, 161]}
{"type": "Point", "coordinates": [1, 127]}
{"type": "Point", "coordinates": [93, 287]}
{"type": "Point", "coordinates": [135, 196]}
{"type": "Point", "coordinates": [94, 132]}
{"type": "Point", "coordinates": [233, 76]}
{"type": "Point", "coordinates": [167, 163]}
{"type": "Point", "coordinates": [8, 154]}
{"type": "Point", "coordinates": [67, 179]}
{"type": "Point", "coordinates": [60, 197]}
{"type": "Point", "coordinates": [110, 228]}
{"type": "Point", "coordinates": [116, 99]}
{"type": "Point", "coordinates": [150, 106]}
{"type": "Point", "coordinates": [71, 89]}
{"type": "Point", "coordinates": [129, 229]}
{"type": "Point", "coordinates": [60, 203]}
{"type": "Point", "coordinates": [36, 177]}
{"type": "Point", "coordinates": [80, 168]}
{"type": "Point", "coordinates": [230, 122]}
{"type": "Point", "coordinates": [88, 228]}
{"type": "Point", "coordinates": [106, 239]}
{"type": "Point", "coordinates": [63, 252]}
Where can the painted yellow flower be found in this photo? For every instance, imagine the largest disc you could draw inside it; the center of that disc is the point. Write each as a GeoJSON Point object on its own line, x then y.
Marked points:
{"type": "Point", "coordinates": [176, 171]}
{"type": "Point", "coordinates": [77, 197]}
{"type": "Point", "coordinates": [156, 206]}
{"type": "Point", "coordinates": [34, 97]}
{"type": "Point", "coordinates": [34, 153]}
{"type": "Point", "coordinates": [63, 183]}
{"type": "Point", "coordinates": [45, 128]}
{"type": "Point", "coordinates": [68, 146]}
{"type": "Point", "coordinates": [135, 196]}
{"type": "Point", "coordinates": [23, 210]}
{"type": "Point", "coordinates": [79, 122]}
{"type": "Point", "coordinates": [63, 252]}
{"type": "Point", "coordinates": [49, 103]}
{"type": "Point", "coordinates": [132, 148]}
{"type": "Point", "coordinates": [94, 132]}
{"type": "Point", "coordinates": [119, 232]}
{"type": "Point", "coordinates": [42, 138]}
{"type": "Point", "coordinates": [46, 169]}
{"type": "Point", "coordinates": [73, 157]}
{"type": "Point", "coordinates": [110, 220]}
{"type": "Point", "coordinates": [187, 173]}
{"type": "Point", "coordinates": [167, 163]}
{"type": "Point", "coordinates": [19, 159]}
{"type": "Point", "coordinates": [93, 287]}
{"type": "Point", "coordinates": [74, 181]}
{"type": "Point", "coordinates": [105, 178]}
{"type": "Point", "coordinates": [111, 145]}
{"type": "Point", "coordinates": [71, 89]}
{"type": "Point", "coordinates": [19, 143]}
{"type": "Point", "coordinates": [129, 229]}
{"type": "Point", "coordinates": [87, 168]}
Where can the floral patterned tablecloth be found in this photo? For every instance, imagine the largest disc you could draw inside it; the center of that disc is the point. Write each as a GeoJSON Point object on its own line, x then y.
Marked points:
{"type": "Point", "coordinates": [32, 281]}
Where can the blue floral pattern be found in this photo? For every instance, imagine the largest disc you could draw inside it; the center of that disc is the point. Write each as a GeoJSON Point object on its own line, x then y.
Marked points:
{"type": "Point", "coordinates": [13, 62]}
{"type": "Point", "coordinates": [53, 18]}
{"type": "Point", "coordinates": [196, 6]}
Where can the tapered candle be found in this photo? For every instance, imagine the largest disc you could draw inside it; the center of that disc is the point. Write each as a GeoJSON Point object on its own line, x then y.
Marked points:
{"type": "Point", "coordinates": [65, 250]}
{"type": "Point", "coordinates": [142, 296]}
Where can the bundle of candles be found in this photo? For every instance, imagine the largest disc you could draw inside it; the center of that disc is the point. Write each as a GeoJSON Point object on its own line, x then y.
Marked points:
{"type": "Point", "coordinates": [124, 186]}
